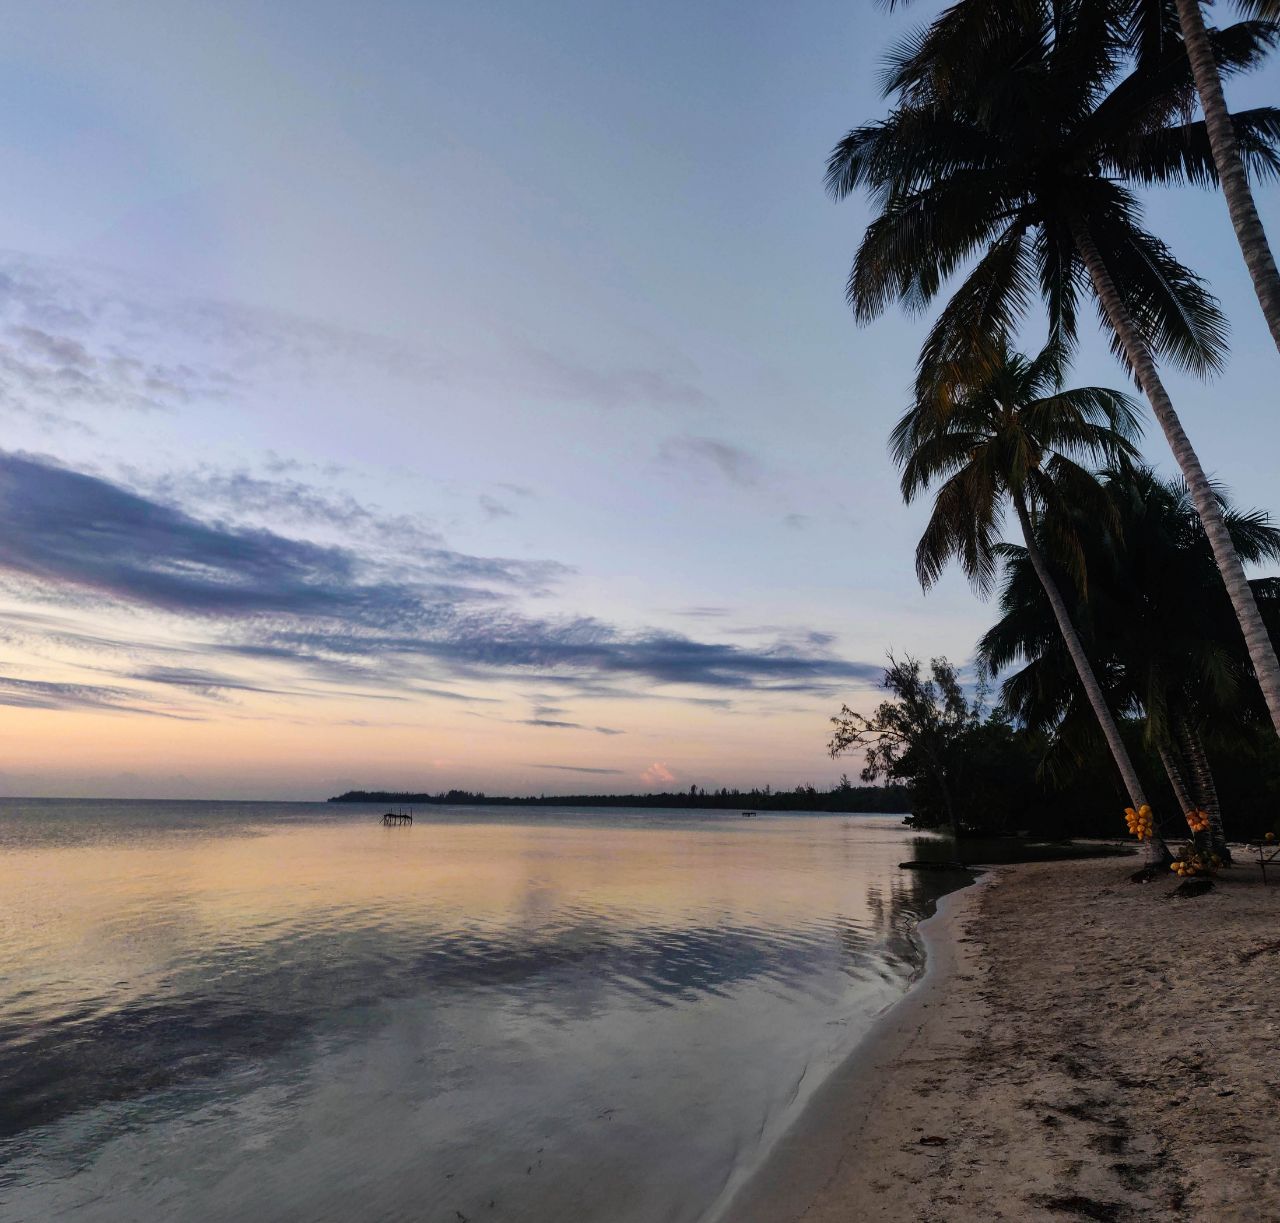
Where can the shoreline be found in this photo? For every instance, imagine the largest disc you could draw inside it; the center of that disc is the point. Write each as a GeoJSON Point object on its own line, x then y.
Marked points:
{"type": "Point", "coordinates": [811, 1154]}
{"type": "Point", "coordinates": [1079, 1047]}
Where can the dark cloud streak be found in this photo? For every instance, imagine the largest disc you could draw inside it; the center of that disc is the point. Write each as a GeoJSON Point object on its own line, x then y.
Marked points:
{"type": "Point", "coordinates": [575, 768]}
{"type": "Point", "coordinates": [46, 694]}
{"type": "Point", "coordinates": [343, 616]}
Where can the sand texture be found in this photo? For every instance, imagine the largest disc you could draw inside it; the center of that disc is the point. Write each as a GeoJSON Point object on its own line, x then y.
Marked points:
{"type": "Point", "coordinates": [1082, 1048]}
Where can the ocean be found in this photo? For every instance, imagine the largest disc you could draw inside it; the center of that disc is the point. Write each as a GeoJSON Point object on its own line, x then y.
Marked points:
{"type": "Point", "coordinates": [286, 1011]}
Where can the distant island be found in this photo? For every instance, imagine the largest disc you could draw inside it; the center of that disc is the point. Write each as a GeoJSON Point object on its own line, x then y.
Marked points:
{"type": "Point", "coordinates": [890, 800]}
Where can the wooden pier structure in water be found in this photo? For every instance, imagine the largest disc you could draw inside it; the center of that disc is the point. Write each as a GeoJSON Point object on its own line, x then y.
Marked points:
{"type": "Point", "coordinates": [394, 818]}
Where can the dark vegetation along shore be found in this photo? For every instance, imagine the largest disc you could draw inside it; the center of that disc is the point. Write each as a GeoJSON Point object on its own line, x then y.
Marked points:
{"type": "Point", "coordinates": [890, 799]}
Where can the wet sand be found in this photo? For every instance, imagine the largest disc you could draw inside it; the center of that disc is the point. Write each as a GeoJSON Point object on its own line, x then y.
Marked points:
{"type": "Point", "coordinates": [1080, 1047]}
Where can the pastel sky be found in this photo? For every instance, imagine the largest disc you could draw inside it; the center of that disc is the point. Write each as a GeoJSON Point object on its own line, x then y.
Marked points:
{"type": "Point", "coordinates": [462, 394]}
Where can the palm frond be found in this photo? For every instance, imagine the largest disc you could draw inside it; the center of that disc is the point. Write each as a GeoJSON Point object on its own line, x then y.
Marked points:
{"type": "Point", "coordinates": [1094, 421]}
{"type": "Point", "coordinates": [1062, 278]}
{"type": "Point", "coordinates": [964, 527]}
{"type": "Point", "coordinates": [1254, 535]}
{"type": "Point", "coordinates": [919, 240]}
{"type": "Point", "coordinates": [1176, 314]}
{"type": "Point", "coordinates": [925, 459]}
{"type": "Point", "coordinates": [988, 305]}
{"type": "Point", "coordinates": [1182, 154]}
{"type": "Point", "coordinates": [1265, 9]}
{"type": "Point", "coordinates": [912, 147]}
{"type": "Point", "coordinates": [936, 62]}
{"type": "Point", "coordinates": [1161, 88]}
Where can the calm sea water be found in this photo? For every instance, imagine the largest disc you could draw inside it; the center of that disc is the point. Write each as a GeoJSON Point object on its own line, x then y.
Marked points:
{"type": "Point", "coordinates": [269, 1011]}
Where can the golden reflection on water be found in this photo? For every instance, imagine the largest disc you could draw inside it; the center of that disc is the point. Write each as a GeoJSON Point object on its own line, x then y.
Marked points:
{"type": "Point", "coordinates": [100, 914]}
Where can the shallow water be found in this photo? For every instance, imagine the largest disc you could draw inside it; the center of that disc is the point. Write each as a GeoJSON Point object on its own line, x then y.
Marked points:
{"type": "Point", "coordinates": [215, 1011]}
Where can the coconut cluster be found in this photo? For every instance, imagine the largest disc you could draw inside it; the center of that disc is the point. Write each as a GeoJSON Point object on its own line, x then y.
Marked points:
{"type": "Point", "coordinates": [1198, 820]}
{"type": "Point", "coordinates": [1141, 822]}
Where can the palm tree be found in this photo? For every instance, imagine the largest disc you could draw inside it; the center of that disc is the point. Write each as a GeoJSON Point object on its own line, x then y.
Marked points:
{"type": "Point", "coordinates": [1150, 27]}
{"type": "Point", "coordinates": [1010, 436]}
{"type": "Point", "coordinates": [1021, 165]}
{"type": "Point", "coordinates": [1156, 623]}
{"type": "Point", "coordinates": [1158, 32]}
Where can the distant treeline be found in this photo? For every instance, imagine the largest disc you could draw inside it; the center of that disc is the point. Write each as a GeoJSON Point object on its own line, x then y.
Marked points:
{"type": "Point", "coordinates": [890, 799]}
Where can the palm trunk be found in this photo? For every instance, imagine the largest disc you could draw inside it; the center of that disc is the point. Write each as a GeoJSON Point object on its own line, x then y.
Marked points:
{"type": "Point", "coordinates": [1261, 653]}
{"type": "Point", "coordinates": [1206, 787]}
{"type": "Point", "coordinates": [1156, 851]}
{"type": "Point", "coordinates": [1174, 772]}
{"type": "Point", "coordinates": [1226, 157]}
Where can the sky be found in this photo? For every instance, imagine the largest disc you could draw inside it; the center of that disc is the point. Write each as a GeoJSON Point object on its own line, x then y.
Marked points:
{"type": "Point", "coordinates": [420, 395]}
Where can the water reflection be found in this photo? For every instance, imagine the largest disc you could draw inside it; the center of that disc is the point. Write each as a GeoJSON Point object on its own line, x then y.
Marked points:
{"type": "Point", "coordinates": [203, 992]}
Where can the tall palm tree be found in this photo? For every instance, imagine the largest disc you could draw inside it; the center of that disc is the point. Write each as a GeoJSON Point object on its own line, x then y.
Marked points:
{"type": "Point", "coordinates": [1158, 32]}
{"type": "Point", "coordinates": [1022, 165]}
{"type": "Point", "coordinates": [1156, 623]}
{"type": "Point", "coordinates": [1150, 27]}
{"type": "Point", "coordinates": [1010, 436]}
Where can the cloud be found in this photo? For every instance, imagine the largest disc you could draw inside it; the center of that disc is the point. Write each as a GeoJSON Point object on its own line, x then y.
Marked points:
{"type": "Point", "coordinates": [702, 613]}
{"type": "Point", "coordinates": [445, 695]}
{"type": "Point", "coordinates": [413, 542]}
{"type": "Point", "coordinates": [97, 323]}
{"type": "Point", "coordinates": [601, 730]}
{"type": "Point", "coordinates": [657, 775]}
{"type": "Point", "coordinates": [493, 508]}
{"type": "Point", "coordinates": [80, 336]}
{"type": "Point", "coordinates": [500, 643]}
{"type": "Point", "coordinates": [575, 768]}
{"type": "Point", "coordinates": [551, 374]}
{"type": "Point", "coordinates": [199, 680]}
{"type": "Point", "coordinates": [789, 636]}
{"type": "Point", "coordinates": [350, 615]}
{"type": "Point", "coordinates": [286, 500]}
{"type": "Point", "coordinates": [44, 370]}
{"type": "Point", "coordinates": [64, 526]}
{"type": "Point", "coordinates": [699, 453]}
{"type": "Point", "coordinates": [58, 350]}
{"type": "Point", "coordinates": [44, 694]}
{"type": "Point", "coordinates": [796, 522]}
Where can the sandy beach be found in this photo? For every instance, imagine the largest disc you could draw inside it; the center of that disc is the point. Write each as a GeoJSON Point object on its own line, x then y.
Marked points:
{"type": "Point", "coordinates": [1080, 1047]}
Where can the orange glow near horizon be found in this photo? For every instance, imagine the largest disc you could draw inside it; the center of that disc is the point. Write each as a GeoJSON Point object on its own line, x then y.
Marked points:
{"type": "Point", "coordinates": [263, 746]}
